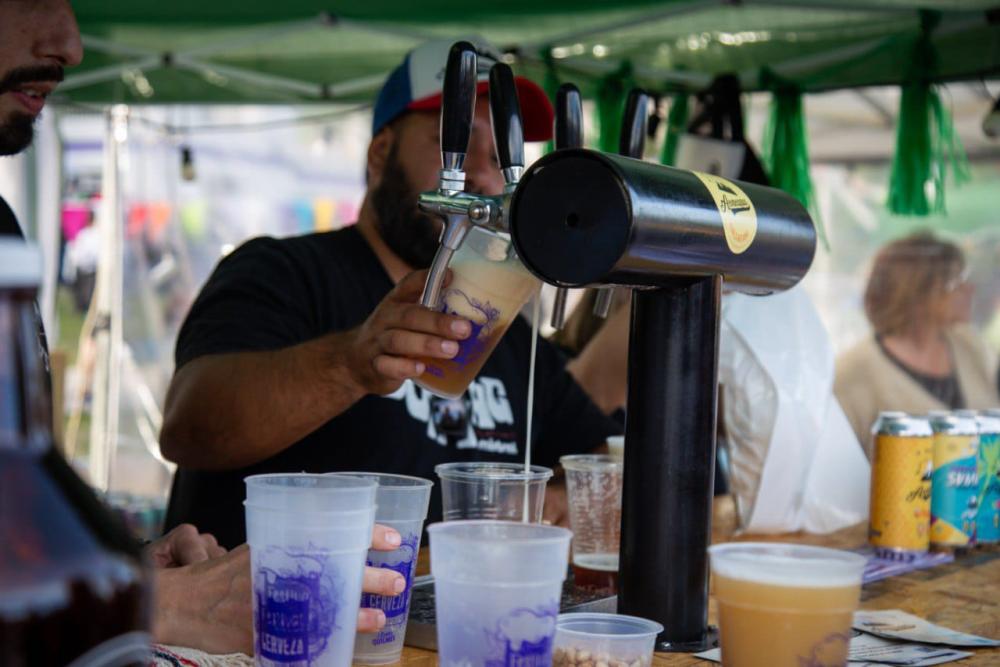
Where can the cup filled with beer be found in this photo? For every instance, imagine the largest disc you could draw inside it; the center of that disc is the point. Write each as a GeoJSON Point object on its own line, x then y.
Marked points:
{"type": "Point", "coordinates": [497, 586]}
{"type": "Point", "coordinates": [489, 286]}
{"type": "Point", "coordinates": [492, 490]}
{"type": "Point", "coordinates": [308, 536]}
{"type": "Point", "coordinates": [785, 605]}
{"type": "Point", "coordinates": [594, 490]}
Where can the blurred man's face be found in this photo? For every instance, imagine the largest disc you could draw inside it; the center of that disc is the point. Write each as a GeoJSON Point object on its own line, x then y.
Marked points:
{"type": "Point", "coordinates": [412, 167]}
{"type": "Point", "coordinates": [38, 39]}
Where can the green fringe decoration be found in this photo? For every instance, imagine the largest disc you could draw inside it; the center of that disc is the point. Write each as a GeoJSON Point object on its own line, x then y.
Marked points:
{"type": "Point", "coordinates": [926, 142]}
{"type": "Point", "coordinates": [612, 92]}
{"type": "Point", "coordinates": [786, 152]}
{"type": "Point", "coordinates": [677, 120]}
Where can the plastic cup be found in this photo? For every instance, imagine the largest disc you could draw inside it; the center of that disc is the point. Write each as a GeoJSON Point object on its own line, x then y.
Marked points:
{"type": "Point", "coordinates": [308, 537]}
{"type": "Point", "coordinates": [594, 488]}
{"type": "Point", "coordinates": [486, 490]}
{"type": "Point", "coordinates": [616, 446]}
{"type": "Point", "coordinates": [785, 605]}
{"type": "Point", "coordinates": [497, 586]}
{"type": "Point", "coordinates": [611, 639]}
{"type": "Point", "coordinates": [402, 504]}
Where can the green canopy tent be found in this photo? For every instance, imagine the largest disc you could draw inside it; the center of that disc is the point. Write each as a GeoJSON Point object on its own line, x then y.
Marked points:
{"type": "Point", "coordinates": [305, 50]}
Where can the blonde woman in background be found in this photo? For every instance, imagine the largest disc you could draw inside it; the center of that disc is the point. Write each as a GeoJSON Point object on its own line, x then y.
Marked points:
{"type": "Point", "coordinates": [923, 354]}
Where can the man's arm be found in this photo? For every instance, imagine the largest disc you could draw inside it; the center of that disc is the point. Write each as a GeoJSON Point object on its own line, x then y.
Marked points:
{"type": "Point", "coordinates": [235, 409]}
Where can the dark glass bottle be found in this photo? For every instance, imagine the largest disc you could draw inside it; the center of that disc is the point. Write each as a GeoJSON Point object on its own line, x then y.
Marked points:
{"type": "Point", "coordinates": [73, 587]}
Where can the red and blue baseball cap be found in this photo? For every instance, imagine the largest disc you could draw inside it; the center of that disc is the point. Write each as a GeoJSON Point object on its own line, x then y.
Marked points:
{"type": "Point", "coordinates": [416, 85]}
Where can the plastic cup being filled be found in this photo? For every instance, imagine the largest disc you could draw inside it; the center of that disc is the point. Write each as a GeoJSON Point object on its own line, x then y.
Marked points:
{"type": "Point", "coordinates": [497, 586]}
{"type": "Point", "coordinates": [401, 504]}
{"type": "Point", "coordinates": [489, 286]}
{"type": "Point", "coordinates": [492, 490]}
{"type": "Point", "coordinates": [594, 490]}
{"type": "Point", "coordinates": [308, 537]}
{"type": "Point", "coordinates": [785, 605]}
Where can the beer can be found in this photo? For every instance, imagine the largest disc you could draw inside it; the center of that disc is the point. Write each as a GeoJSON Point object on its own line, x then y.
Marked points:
{"type": "Point", "coordinates": [954, 481]}
{"type": "Point", "coordinates": [988, 467]}
{"type": "Point", "coordinates": [900, 516]}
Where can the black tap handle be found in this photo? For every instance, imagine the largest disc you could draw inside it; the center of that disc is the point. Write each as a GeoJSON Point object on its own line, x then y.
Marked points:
{"type": "Point", "coordinates": [458, 101]}
{"type": "Point", "coordinates": [569, 117]}
{"type": "Point", "coordinates": [633, 137]}
{"type": "Point", "coordinates": [505, 113]}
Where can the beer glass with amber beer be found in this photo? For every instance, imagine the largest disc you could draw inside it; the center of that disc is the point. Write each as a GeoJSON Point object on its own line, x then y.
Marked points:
{"type": "Point", "coordinates": [785, 605]}
{"type": "Point", "coordinates": [489, 286]}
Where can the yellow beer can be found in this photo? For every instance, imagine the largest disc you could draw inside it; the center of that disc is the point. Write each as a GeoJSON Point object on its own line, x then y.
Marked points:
{"type": "Point", "coordinates": [902, 465]}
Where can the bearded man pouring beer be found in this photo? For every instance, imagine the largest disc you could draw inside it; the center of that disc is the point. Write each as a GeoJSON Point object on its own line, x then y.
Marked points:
{"type": "Point", "coordinates": [299, 353]}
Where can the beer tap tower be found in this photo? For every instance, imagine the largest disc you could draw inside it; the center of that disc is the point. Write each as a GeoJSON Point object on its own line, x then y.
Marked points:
{"type": "Point", "coordinates": [579, 217]}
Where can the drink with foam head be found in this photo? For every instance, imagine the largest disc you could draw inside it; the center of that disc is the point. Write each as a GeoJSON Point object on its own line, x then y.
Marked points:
{"type": "Point", "coordinates": [785, 605]}
{"type": "Point", "coordinates": [489, 286]}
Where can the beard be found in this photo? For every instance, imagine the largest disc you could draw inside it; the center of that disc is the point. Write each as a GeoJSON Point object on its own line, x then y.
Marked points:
{"type": "Point", "coordinates": [16, 133]}
{"type": "Point", "coordinates": [409, 232]}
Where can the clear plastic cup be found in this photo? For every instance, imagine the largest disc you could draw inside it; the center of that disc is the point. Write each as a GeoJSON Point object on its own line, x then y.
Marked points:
{"type": "Point", "coordinates": [308, 537]}
{"type": "Point", "coordinates": [594, 489]}
{"type": "Point", "coordinates": [402, 504]}
{"type": "Point", "coordinates": [609, 639]}
{"type": "Point", "coordinates": [489, 490]}
{"type": "Point", "coordinates": [785, 605]}
{"type": "Point", "coordinates": [497, 586]}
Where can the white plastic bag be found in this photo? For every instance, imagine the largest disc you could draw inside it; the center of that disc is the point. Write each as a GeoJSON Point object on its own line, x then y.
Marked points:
{"type": "Point", "coordinates": [795, 462]}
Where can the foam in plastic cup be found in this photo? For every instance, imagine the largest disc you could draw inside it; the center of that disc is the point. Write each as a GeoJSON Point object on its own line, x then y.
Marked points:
{"type": "Point", "coordinates": [594, 489]}
{"type": "Point", "coordinates": [608, 639]}
{"type": "Point", "coordinates": [616, 446]}
{"type": "Point", "coordinates": [491, 490]}
{"type": "Point", "coordinates": [308, 537]}
{"type": "Point", "coordinates": [401, 504]}
{"type": "Point", "coordinates": [785, 605]}
{"type": "Point", "coordinates": [497, 586]}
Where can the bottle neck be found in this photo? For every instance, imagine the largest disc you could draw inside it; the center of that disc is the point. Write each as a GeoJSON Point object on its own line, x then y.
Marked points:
{"type": "Point", "coordinates": [25, 394]}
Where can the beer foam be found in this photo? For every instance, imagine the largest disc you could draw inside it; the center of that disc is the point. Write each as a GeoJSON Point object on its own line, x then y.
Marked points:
{"type": "Point", "coordinates": [787, 565]}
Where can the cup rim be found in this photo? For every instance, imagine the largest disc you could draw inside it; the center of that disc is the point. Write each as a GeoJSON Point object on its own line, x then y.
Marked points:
{"type": "Point", "coordinates": [652, 627]}
{"type": "Point", "coordinates": [514, 471]}
{"type": "Point", "coordinates": [584, 462]}
{"type": "Point", "coordinates": [556, 534]}
{"type": "Point", "coordinates": [263, 481]}
{"type": "Point", "coordinates": [788, 562]}
{"type": "Point", "coordinates": [420, 485]}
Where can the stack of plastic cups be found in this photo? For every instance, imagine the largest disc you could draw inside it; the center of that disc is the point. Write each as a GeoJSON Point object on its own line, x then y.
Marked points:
{"type": "Point", "coordinates": [497, 586]}
{"type": "Point", "coordinates": [482, 490]}
{"type": "Point", "coordinates": [308, 536]}
{"type": "Point", "coordinates": [402, 504]}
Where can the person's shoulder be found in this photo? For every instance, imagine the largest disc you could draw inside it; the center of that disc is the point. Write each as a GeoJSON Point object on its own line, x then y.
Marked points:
{"type": "Point", "coordinates": [855, 365]}
{"type": "Point", "coordinates": [299, 251]}
{"type": "Point", "coordinates": [967, 337]}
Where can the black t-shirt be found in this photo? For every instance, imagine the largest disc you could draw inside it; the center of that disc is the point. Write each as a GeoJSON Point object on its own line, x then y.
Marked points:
{"type": "Point", "coordinates": [271, 294]}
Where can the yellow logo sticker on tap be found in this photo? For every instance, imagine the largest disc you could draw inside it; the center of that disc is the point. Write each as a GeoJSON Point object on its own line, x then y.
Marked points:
{"type": "Point", "coordinates": [739, 217]}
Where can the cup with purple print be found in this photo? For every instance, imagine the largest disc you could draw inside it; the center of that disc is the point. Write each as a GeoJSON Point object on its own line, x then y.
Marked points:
{"type": "Point", "coordinates": [497, 586]}
{"type": "Point", "coordinates": [489, 286]}
{"type": "Point", "coordinates": [308, 536]}
{"type": "Point", "coordinates": [401, 504]}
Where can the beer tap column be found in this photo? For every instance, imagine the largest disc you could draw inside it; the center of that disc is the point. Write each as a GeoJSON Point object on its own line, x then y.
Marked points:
{"type": "Point", "coordinates": [458, 106]}
{"type": "Point", "coordinates": [569, 134]}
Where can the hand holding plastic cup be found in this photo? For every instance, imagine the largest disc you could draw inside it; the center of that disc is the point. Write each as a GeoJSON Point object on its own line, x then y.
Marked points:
{"type": "Point", "coordinates": [308, 537]}
{"type": "Point", "coordinates": [402, 504]}
{"type": "Point", "coordinates": [594, 489]}
{"type": "Point", "coordinates": [497, 586]}
{"type": "Point", "coordinates": [488, 490]}
{"type": "Point", "coordinates": [785, 605]}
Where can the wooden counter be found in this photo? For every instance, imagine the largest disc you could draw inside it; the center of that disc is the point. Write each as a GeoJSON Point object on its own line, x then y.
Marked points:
{"type": "Point", "coordinates": [964, 595]}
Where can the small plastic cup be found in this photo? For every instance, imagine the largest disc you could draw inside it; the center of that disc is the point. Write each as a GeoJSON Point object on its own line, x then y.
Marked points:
{"type": "Point", "coordinates": [308, 537]}
{"type": "Point", "coordinates": [488, 490]}
{"type": "Point", "coordinates": [611, 639]}
{"type": "Point", "coordinates": [497, 586]}
{"type": "Point", "coordinates": [594, 489]}
{"type": "Point", "coordinates": [402, 504]}
{"type": "Point", "coordinates": [785, 605]}
{"type": "Point", "coordinates": [616, 446]}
